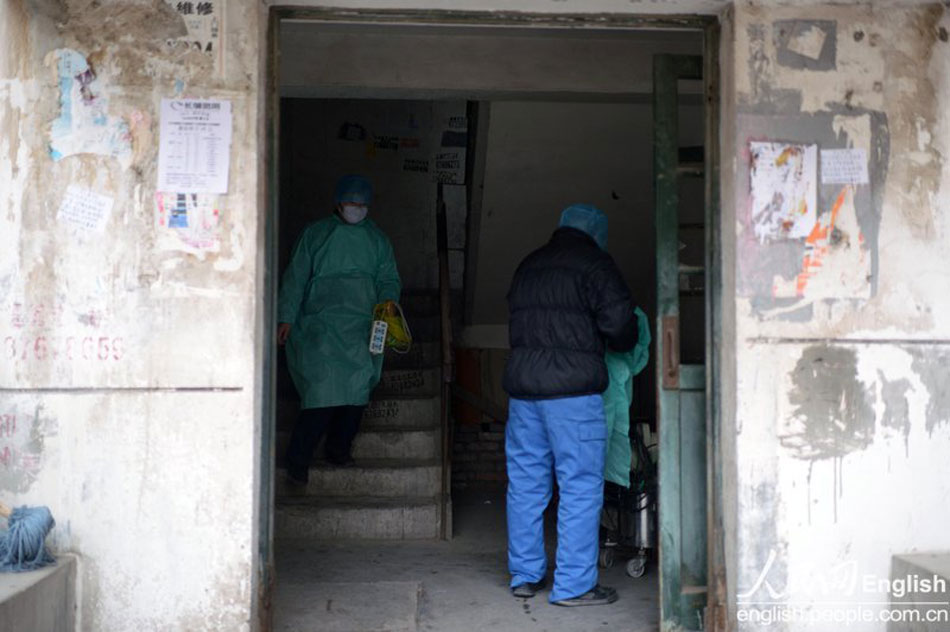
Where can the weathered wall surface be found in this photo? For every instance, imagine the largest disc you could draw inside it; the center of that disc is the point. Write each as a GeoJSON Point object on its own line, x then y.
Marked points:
{"type": "Point", "coordinates": [127, 368]}
{"type": "Point", "coordinates": [842, 350]}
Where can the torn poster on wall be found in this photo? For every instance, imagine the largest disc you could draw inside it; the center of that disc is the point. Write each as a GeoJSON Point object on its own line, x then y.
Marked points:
{"type": "Point", "coordinates": [784, 181]}
{"type": "Point", "coordinates": [203, 20]}
{"type": "Point", "coordinates": [193, 218]}
{"type": "Point", "coordinates": [194, 145]}
{"type": "Point", "coordinates": [84, 125]}
{"type": "Point", "coordinates": [836, 263]}
{"type": "Point", "coordinates": [84, 208]}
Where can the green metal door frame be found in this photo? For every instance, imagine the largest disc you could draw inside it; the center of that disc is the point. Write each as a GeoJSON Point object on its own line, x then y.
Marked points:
{"type": "Point", "coordinates": [692, 575]}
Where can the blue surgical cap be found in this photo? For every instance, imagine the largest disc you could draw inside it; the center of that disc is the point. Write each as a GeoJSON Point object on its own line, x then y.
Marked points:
{"type": "Point", "coordinates": [353, 189]}
{"type": "Point", "coordinates": [589, 219]}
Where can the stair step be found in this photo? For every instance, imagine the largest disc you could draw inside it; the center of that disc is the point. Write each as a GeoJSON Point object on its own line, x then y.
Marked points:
{"type": "Point", "coordinates": [393, 413]}
{"type": "Point", "coordinates": [419, 443]}
{"type": "Point", "coordinates": [385, 413]}
{"type": "Point", "coordinates": [367, 517]}
{"type": "Point", "coordinates": [408, 383]}
{"type": "Point", "coordinates": [389, 478]}
{"type": "Point", "coordinates": [420, 355]}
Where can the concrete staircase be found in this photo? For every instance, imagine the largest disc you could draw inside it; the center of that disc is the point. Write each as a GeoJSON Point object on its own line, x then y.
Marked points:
{"type": "Point", "coordinates": [393, 491]}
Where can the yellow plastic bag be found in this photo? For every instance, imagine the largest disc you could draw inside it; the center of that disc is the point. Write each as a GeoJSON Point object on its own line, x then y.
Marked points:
{"type": "Point", "coordinates": [398, 336]}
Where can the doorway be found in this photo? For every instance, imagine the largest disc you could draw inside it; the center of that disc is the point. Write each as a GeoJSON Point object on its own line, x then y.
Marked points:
{"type": "Point", "coordinates": [528, 149]}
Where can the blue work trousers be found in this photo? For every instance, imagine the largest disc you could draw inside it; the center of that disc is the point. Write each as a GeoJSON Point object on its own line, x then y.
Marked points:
{"type": "Point", "coordinates": [568, 435]}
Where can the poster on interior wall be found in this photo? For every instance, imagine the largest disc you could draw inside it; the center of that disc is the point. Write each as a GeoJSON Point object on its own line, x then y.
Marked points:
{"type": "Point", "coordinates": [844, 166]}
{"type": "Point", "coordinates": [448, 160]}
{"type": "Point", "coordinates": [203, 21]}
{"type": "Point", "coordinates": [84, 124]}
{"type": "Point", "coordinates": [784, 182]}
{"type": "Point", "coordinates": [84, 208]}
{"type": "Point", "coordinates": [194, 145]}
{"type": "Point", "coordinates": [192, 217]}
{"type": "Point", "coordinates": [450, 167]}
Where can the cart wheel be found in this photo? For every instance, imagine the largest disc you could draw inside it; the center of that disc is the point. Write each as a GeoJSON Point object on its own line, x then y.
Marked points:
{"type": "Point", "coordinates": [636, 567]}
{"type": "Point", "coordinates": [606, 558]}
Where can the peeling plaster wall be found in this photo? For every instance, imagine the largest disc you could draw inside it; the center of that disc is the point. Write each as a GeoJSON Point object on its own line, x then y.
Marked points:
{"type": "Point", "coordinates": [127, 366]}
{"type": "Point", "coordinates": [842, 417]}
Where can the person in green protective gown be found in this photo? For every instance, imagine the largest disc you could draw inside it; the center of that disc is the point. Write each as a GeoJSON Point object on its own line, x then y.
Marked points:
{"type": "Point", "coordinates": [340, 268]}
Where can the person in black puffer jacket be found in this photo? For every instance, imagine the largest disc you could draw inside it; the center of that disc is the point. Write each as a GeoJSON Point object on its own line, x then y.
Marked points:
{"type": "Point", "coordinates": [568, 304]}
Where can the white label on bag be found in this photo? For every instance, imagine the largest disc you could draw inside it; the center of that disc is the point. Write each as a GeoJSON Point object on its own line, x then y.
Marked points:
{"type": "Point", "coordinates": [377, 339]}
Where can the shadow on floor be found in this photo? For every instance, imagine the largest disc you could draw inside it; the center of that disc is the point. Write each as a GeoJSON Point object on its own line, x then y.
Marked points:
{"type": "Point", "coordinates": [460, 585]}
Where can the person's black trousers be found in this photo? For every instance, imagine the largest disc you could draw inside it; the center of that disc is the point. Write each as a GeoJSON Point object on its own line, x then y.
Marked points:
{"type": "Point", "coordinates": [340, 423]}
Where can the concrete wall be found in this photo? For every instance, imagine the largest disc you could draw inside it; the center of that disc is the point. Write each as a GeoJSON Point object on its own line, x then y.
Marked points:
{"type": "Point", "coordinates": [128, 369]}
{"type": "Point", "coordinates": [543, 156]}
{"type": "Point", "coordinates": [570, 120]}
{"type": "Point", "coordinates": [488, 63]}
{"type": "Point", "coordinates": [842, 350]}
{"type": "Point", "coordinates": [841, 416]}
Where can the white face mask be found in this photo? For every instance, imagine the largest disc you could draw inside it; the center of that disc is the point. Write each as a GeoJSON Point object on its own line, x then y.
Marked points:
{"type": "Point", "coordinates": [353, 213]}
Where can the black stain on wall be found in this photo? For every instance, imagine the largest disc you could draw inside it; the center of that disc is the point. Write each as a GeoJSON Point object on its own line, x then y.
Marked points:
{"type": "Point", "coordinates": [933, 367]}
{"type": "Point", "coordinates": [833, 414]}
{"type": "Point", "coordinates": [896, 407]}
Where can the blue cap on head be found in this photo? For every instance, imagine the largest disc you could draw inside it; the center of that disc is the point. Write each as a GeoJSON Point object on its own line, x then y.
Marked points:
{"type": "Point", "coordinates": [589, 219]}
{"type": "Point", "coordinates": [353, 189]}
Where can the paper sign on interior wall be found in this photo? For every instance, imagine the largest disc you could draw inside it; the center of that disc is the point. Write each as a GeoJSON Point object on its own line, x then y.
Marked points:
{"type": "Point", "coordinates": [203, 19]}
{"type": "Point", "coordinates": [194, 146]}
{"type": "Point", "coordinates": [84, 208]}
{"type": "Point", "coordinates": [784, 190]}
{"type": "Point", "coordinates": [844, 166]}
{"type": "Point", "coordinates": [194, 217]}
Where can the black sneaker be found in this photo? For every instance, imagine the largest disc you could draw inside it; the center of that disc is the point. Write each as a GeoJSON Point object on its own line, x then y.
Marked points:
{"type": "Point", "coordinates": [528, 589]}
{"type": "Point", "coordinates": [596, 596]}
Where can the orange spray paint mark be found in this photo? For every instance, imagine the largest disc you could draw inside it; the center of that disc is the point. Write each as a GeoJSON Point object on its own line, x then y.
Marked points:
{"type": "Point", "coordinates": [816, 246]}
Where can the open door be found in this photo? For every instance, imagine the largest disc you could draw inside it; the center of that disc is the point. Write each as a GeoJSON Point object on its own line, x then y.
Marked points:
{"type": "Point", "coordinates": [681, 381]}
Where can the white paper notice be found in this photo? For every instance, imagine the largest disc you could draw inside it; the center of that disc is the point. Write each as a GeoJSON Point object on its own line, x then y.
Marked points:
{"type": "Point", "coordinates": [84, 208]}
{"type": "Point", "coordinates": [195, 146]}
{"type": "Point", "coordinates": [844, 166]}
{"type": "Point", "coordinates": [784, 190]}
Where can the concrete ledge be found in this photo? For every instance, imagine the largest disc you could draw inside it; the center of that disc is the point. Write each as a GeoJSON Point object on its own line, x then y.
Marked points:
{"type": "Point", "coordinates": [926, 577]}
{"type": "Point", "coordinates": [43, 600]}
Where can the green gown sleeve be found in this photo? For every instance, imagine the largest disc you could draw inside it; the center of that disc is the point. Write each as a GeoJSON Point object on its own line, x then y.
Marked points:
{"type": "Point", "coordinates": [295, 280]}
{"type": "Point", "coordinates": [388, 284]}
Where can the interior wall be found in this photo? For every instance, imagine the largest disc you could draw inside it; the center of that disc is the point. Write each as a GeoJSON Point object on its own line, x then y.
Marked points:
{"type": "Point", "coordinates": [491, 62]}
{"type": "Point", "coordinates": [127, 369]}
{"type": "Point", "coordinates": [569, 120]}
{"type": "Point", "coordinates": [843, 423]}
{"type": "Point", "coordinates": [542, 157]}
{"type": "Point", "coordinates": [404, 147]}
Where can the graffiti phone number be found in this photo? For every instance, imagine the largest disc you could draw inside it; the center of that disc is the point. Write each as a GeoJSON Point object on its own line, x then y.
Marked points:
{"type": "Point", "coordinates": [72, 348]}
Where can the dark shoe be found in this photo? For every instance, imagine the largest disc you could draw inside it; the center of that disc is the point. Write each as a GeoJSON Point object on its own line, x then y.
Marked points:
{"type": "Point", "coordinates": [528, 589]}
{"type": "Point", "coordinates": [597, 596]}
